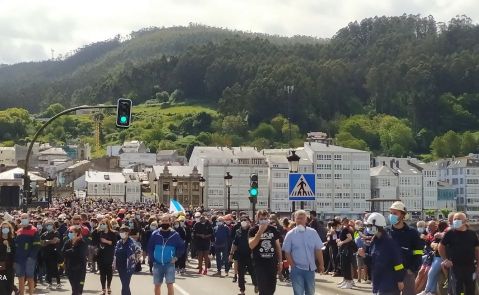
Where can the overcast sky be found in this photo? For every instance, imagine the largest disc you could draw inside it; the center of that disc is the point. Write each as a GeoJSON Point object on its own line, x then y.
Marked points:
{"type": "Point", "coordinates": [30, 29]}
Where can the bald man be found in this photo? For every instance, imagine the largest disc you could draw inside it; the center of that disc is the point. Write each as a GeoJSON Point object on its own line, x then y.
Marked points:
{"type": "Point", "coordinates": [462, 249]}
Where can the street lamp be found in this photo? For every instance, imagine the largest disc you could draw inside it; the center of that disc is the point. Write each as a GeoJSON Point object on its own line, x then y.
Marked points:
{"type": "Point", "coordinates": [109, 191]}
{"type": "Point", "coordinates": [293, 161]}
{"type": "Point", "coordinates": [202, 181]}
{"type": "Point", "coordinates": [49, 185]}
{"type": "Point", "coordinates": [228, 184]}
{"type": "Point", "coordinates": [124, 197]}
{"type": "Point", "coordinates": [174, 181]}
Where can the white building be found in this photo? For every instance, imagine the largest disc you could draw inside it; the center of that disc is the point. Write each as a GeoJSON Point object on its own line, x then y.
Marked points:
{"type": "Point", "coordinates": [113, 185]}
{"type": "Point", "coordinates": [7, 156]}
{"type": "Point", "coordinates": [278, 176]}
{"type": "Point", "coordinates": [343, 184]}
{"type": "Point", "coordinates": [463, 176]}
{"type": "Point", "coordinates": [241, 162]}
{"type": "Point", "coordinates": [384, 187]}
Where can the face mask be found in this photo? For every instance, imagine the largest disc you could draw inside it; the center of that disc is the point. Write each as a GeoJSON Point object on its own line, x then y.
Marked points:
{"type": "Point", "coordinates": [176, 225]}
{"type": "Point", "coordinates": [338, 228]}
{"type": "Point", "coordinates": [420, 230]}
{"type": "Point", "coordinates": [182, 223]}
{"type": "Point", "coordinates": [457, 224]}
{"type": "Point", "coordinates": [244, 224]}
{"type": "Point", "coordinates": [228, 222]}
{"type": "Point", "coordinates": [393, 219]}
{"type": "Point", "coordinates": [263, 221]}
{"type": "Point", "coordinates": [71, 236]}
{"type": "Point", "coordinates": [25, 221]}
{"type": "Point", "coordinates": [356, 227]}
{"type": "Point", "coordinates": [301, 228]}
{"type": "Point", "coordinates": [165, 226]}
{"type": "Point", "coordinates": [220, 222]}
{"type": "Point", "coordinates": [60, 221]}
{"type": "Point", "coordinates": [5, 230]}
{"type": "Point", "coordinates": [103, 226]}
{"type": "Point", "coordinates": [123, 235]}
{"type": "Point", "coordinates": [153, 227]}
{"type": "Point", "coordinates": [138, 217]}
{"type": "Point", "coordinates": [39, 227]}
{"type": "Point", "coordinates": [49, 227]}
{"type": "Point", "coordinates": [197, 219]}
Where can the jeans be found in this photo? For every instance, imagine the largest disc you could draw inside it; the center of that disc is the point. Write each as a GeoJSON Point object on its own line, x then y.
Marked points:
{"type": "Point", "coordinates": [243, 265]}
{"type": "Point", "coordinates": [346, 263]}
{"type": "Point", "coordinates": [433, 275]}
{"type": "Point", "coordinates": [302, 281]}
{"type": "Point", "coordinates": [125, 279]}
{"type": "Point", "coordinates": [222, 258]}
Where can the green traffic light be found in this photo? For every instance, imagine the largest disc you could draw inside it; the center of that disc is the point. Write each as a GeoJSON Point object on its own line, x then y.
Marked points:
{"type": "Point", "coordinates": [253, 192]}
{"type": "Point", "coordinates": [123, 119]}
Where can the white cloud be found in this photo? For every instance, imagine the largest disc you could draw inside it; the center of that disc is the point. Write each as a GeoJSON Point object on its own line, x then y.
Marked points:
{"type": "Point", "coordinates": [30, 28]}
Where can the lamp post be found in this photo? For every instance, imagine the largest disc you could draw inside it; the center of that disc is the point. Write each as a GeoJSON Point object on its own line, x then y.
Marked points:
{"type": "Point", "coordinates": [293, 161]}
{"type": "Point", "coordinates": [124, 197]}
{"type": "Point", "coordinates": [174, 181]}
{"type": "Point", "coordinates": [49, 185]}
{"type": "Point", "coordinates": [109, 191]}
{"type": "Point", "coordinates": [157, 188]}
{"type": "Point", "coordinates": [228, 184]}
{"type": "Point", "coordinates": [202, 181]}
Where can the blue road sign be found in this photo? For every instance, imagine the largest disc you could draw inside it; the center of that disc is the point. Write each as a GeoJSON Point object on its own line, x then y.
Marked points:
{"type": "Point", "coordinates": [302, 187]}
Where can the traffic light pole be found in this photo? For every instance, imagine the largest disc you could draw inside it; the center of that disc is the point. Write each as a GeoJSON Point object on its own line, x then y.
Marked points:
{"type": "Point", "coordinates": [253, 203]}
{"type": "Point", "coordinates": [27, 189]}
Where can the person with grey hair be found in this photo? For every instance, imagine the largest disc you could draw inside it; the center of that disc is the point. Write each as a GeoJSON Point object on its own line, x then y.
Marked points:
{"type": "Point", "coordinates": [462, 250]}
{"type": "Point", "coordinates": [302, 247]}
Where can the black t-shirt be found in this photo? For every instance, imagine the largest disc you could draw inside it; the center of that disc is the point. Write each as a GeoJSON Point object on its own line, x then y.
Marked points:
{"type": "Point", "coordinates": [461, 247]}
{"type": "Point", "coordinates": [343, 235]}
{"type": "Point", "coordinates": [241, 241]}
{"type": "Point", "coordinates": [50, 248]}
{"type": "Point", "coordinates": [265, 250]}
{"type": "Point", "coordinates": [105, 251]}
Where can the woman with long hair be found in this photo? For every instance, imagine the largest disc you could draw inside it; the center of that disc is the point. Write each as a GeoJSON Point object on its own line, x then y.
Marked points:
{"type": "Point", "coordinates": [75, 251]}
{"type": "Point", "coordinates": [6, 257]}
{"type": "Point", "coordinates": [106, 252]}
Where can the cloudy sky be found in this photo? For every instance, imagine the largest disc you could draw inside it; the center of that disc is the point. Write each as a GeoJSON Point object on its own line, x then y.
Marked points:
{"type": "Point", "coordinates": [29, 30]}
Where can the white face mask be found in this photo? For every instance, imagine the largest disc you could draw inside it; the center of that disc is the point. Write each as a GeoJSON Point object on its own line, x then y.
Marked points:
{"type": "Point", "coordinates": [123, 235]}
{"type": "Point", "coordinates": [197, 219]}
{"type": "Point", "coordinates": [244, 224]}
{"type": "Point", "coordinates": [220, 222]}
{"type": "Point", "coordinates": [301, 228]}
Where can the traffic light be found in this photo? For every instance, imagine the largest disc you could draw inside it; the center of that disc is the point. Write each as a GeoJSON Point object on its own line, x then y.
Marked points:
{"type": "Point", "coordinates": [123, 113]}
{"type": "Point", "coordinates": [253, 191]}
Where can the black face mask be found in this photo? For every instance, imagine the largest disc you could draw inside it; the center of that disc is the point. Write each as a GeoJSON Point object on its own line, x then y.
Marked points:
{"type": "Point", "coordinates": [165, 226]}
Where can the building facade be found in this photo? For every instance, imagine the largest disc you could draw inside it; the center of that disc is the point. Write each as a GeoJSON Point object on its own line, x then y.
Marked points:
{"type": "Point", "coordinates": [240, 162]}
{"type": "Point", "coordinates": [343, 184]}
{"type": "Point", "coordinates": [113, 185]}
{"type": "Point", "coordinates": [187, 191]}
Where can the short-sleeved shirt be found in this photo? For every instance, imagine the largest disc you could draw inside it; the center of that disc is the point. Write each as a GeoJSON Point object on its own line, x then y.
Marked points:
{"type": "Point", "coordinates": [461, 247]}
{"type": "Point", "coordinates": [302, 247]}
{"type": "Point", "coordinates": [265, 250]}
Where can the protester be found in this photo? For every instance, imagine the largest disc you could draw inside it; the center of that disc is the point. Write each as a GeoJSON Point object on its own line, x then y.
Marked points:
{"type": "Point", "coordinates": [27, 245]}
{"type": "Point", "coordinates": [459, 249]}
{"type": "Point", "coordinates": [7, 250]}
{"type": "Point", "coordinates": [345, 244]}
{"type": "Point", "coordinates": [202, 232]}
{"type": "Point", "coordinates": [221, 235]}
{"type": "Point", "coordinates": [302, 247]}
{"type": "Point", "coordinates": [267, 256]}
{"type": "Point", "coordinates": [51, 253]}
{"type": "Point", "coordinates": [127, 252]}
{"type": "Point", "coordinates": [107, 240]}
{"type": "Point", "coordinates": [75, 250]}
{"type": "Point", "coordinates": [165, 246]}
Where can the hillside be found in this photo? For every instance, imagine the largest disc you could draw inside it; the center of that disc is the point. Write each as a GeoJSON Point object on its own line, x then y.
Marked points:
{"type": "Point", "coordinates": [404, 85]}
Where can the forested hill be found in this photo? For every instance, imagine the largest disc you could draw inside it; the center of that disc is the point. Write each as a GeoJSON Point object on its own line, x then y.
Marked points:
{"type": "Point", "coordinates": [95, 71]}
{"type": "Point", "coordinates": [421, 73]}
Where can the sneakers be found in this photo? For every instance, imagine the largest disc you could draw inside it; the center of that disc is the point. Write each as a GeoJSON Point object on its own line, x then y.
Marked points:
{"type": "Point", "coordinates": [341, 283]}
{"type": "Point", "coordinates": [425, 293]}
{"type": "Point", "coordinates": [217, 274]}
{"type": "Point", "coordinates": [346, 285]}
{"type": "Point", "coordinates": [50, 286]}
{"type": "Point", "coordinates": [59, 286]}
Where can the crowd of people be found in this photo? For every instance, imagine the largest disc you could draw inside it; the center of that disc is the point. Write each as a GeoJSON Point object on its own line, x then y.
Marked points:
{"type": "Point", "coordinates": [76, 236]}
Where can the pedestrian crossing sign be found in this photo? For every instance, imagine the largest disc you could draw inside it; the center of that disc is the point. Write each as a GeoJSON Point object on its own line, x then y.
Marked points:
{"type": "Point", "coordinates": [302, 187]}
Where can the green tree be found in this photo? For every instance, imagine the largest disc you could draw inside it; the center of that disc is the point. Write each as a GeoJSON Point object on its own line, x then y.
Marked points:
{"type": "Point", "coordinates": [468, 143]}
{"type": "Point", "coordinates": [264, 130]}
{"type": "Point", "coordinates": [234, 125]}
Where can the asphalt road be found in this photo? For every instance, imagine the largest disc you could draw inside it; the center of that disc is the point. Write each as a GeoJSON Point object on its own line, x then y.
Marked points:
{"type": "Point", "coordinates": [193, 284]}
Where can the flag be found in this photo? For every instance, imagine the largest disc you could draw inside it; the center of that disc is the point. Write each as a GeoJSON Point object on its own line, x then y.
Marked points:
{"type": "Point", "coordinates": [175, 206]}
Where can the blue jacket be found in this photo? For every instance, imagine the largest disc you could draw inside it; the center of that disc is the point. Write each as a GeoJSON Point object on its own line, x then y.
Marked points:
{"type": "Point", "coordinates": [386, 264]}
{"type": "Point", "coordinates": [411, 246]}
{"type": "Point", "coordinates": [164, 245]}
{"type": "Point", "coordinates": [133, 249]}
{"type": "Point", "coordinates": [27, 244]}
{"type": "Point", "coordinates": [222, 236]}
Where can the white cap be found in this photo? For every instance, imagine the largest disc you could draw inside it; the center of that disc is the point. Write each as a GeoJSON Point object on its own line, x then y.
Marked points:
{"type": "Point", "coordinates": [398, 206]}
{"type": "Point", "coordinates": [197, 214]}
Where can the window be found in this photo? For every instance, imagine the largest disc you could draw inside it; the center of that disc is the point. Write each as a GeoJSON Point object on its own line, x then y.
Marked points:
{"type": "Point", "coordinates": [166, 187]}
{"type": "Point", "coordinates": [338, 176]}
{"type": "Point", "coordinates": [338, 157]}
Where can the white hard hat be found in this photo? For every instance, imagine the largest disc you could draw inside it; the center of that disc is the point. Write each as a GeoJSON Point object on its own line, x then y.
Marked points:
{"type": "Point", "coordinates": [398, 206]}
{"type": "Point", "coordinates": [377, 219]}
{"type": "Point", "coordinates": [197, 214]}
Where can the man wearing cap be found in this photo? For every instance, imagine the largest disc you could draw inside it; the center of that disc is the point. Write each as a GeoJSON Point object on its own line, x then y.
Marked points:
{"type": "Point", "coordinates": [411, 245]}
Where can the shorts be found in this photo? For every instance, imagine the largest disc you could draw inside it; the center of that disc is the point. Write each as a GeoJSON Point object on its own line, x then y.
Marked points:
{"type": "Point", "coordinates": [360, 261]}
{"type": "Point", "coordinates": [25, 269]}
{"type": "Point", "coordinates": [163, 271]}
